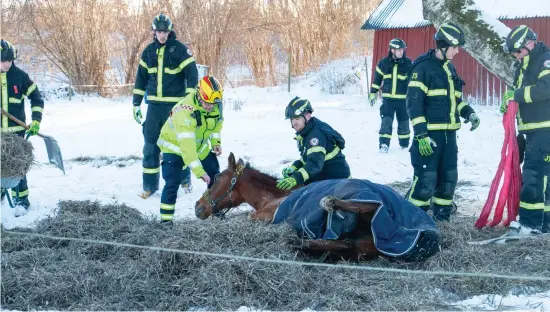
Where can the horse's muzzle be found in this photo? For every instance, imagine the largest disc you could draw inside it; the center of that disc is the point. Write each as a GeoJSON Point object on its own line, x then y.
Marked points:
{"type": "Point", "coordinates": [199, 211]}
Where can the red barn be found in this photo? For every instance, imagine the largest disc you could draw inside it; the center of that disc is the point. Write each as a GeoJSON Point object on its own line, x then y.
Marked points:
{"type": "Point", "coordinates": [403, 19]}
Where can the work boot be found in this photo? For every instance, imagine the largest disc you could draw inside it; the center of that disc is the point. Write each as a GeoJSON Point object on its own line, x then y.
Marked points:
{"type": "Point", "coordinates": [187, 187]}
{"type": "Point", "coordinates": [146, 194]}
{"type": "Point", "coordinates": [166, 223]}
{"type": "Point", "coordinates": [384, 148]}
{"type": "Point", "coordinates": [546, 222]}
{"type": "Point", "coordinates": [23, 202]}
{"type": "Point", "coordinates": [519, 230]}
{"type": "Point", "coordinates": [3, 194]}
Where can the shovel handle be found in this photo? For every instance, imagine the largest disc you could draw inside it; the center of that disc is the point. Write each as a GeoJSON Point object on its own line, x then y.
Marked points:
{"type": "Point", "coordinates": [17, 121]}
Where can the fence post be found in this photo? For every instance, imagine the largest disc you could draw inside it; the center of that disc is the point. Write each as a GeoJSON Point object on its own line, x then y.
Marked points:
{"type": "Point", "coordinates": [289, 67]}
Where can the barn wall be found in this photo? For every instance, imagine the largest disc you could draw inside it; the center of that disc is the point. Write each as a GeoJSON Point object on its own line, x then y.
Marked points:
{"type": "Point", "coordinates": [482, 86]}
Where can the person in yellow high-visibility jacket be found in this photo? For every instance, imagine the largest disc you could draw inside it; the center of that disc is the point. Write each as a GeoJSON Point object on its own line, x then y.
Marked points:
{"type": "Point", "coordinates": [191, 138]}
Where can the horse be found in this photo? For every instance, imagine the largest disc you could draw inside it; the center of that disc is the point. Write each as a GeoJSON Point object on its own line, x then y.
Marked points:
{"type": "Point", "coordinates": [347, 229]}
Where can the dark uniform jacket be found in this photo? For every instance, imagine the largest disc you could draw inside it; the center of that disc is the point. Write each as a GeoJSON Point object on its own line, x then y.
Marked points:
{"type": "Point", "coordinates": [532, 82]}
{"type": "Point", "coordinates": [393, 72]}
{"type": "Point", "coordinates": [321, 149]}
{"type": "Point", "coordinates": [16, 84]}
{"type": "Point", "coordinates": [434, 95]}
{"type": "Point", "coordinates": [167, 72]}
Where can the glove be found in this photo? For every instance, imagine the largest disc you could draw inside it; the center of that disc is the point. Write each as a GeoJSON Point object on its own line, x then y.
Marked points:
{"type": "Point", "coordinates": [372, 99]}
{"type": "Point", "coordinates": [475, 121]}
{"type": "Point", "coordinates": [286, 184]}
{"type": "Point", "coordinates": [287, 172]}
{"type": "Point", "coordinates": [508, 95]}
{"type": "Point", "coordinates": [34, 127]}
{"type": "Point", "coordinates": [425, 145]}
{"type": "Point", "coordinates": [137, 114]}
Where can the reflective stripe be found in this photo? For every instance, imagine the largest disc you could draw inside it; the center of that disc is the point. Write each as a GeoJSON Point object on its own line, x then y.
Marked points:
{"type": "Point", "coordinates": [160, 60]}
{"type": "Point", "coordinates": [375, 86]}
{"type": "Point", "coordinates": [151, 170]}
{"type": "Point", "coordinates": [332, 154]}
{"type": "Point", "coordinates": [441, 201]}
{"type": "Point", "coordinates": [143, 64]}
{"type": "Point", "coordinates": [190, 90]}
{"type": "Point", "coordinates": [386, 76]}
{"type": "Point", "coordinates": [394, 96]}
{"type": "Point", "coordinates": [304, 173]}
{"type": "Point", "coordinates": [444, 126]}
{"type": "Point", "coordinates": [544, 73]}
{"type": "Point", "coordinates": [167, 206]}
{"type": "Point", "coordinates": [166, 217]}
{"type": "Point", "coordinates": [316, 149]}
{"type": "Point", "coordinates": [31, 89]}
{"type": "Point", "coordinates": [527, 94]}
{"type": "Point", "coordinates": [528, 206]}
{"type": "Point", "coordinates": [14, 101]}
{"type": "Point", "coordinates": [400, 77]}
{"type": "Point", "coordinates": [451, 93]}
{"type": "Point", "coordinates": [385, 136]}
{"type": "Point", "coordinates": [195, 164]}
{"type": "Point", "coordinates": [139, 92]}
{"type": "Point", "coordinates": [21, 194]}
{"type": "Point", "coordinates": [458, 94]}
{"type": "Point", "coordinates": [169, 146]}
{"type": "Point", "coordinates": [12, 129]}
{"type": "Point", "coordinates": [404, 136]}
{"type": "Point", "coordinates": [378, 70]}
{"type": "Point", "coordinates": [185, 135]}
{"type": "Point", "coordinates": [164, 99]}
{"type": "Point", "coordinates": [534, 125]}
{"type": "Point", "coordinates": [461, 106]}
{"type": "Point", "coordinates": [5, 105]}
{"type": "Point", "coordinates": [152, 70]}
{"type": "Point", "coordinates": [418, 120]}
{"type": "Point", "coordinates": [394, 80]}
{"type": "Point", "coordinates": [418, 84]}
{"type": "Point", "coordinates": [188, 61]}
{"type": "Point", "coordinates": [37, 109]}
{"type": "Point", "coordinates": [216, 136]}
{"type": "Point", "coordinates": [437, 92]}
{"type": "Point", "coordinates": [416, 202]}
{"type": "Point", "coordinates": [302, 160]}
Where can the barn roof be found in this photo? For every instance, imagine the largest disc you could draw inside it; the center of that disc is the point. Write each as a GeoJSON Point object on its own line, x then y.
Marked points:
{"type": "Point", "coordinates": [408, 13]}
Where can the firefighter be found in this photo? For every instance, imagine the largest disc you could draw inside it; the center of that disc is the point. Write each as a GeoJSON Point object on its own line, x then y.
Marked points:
{"type": "Point", "coordinates": [435, 105]}
{"type": "Point", "coordinates": [391, 75]}
{"type": "Point", "coordinates": [167, 72]}
{"type": "Point", "coordinates": [16, 84]}
{"type": "Point", "coordinates": [320, 148]}
{"type": "Point", "coordinates": [191, 137]}
{"type": "Point", "coordinates": [531, 90]}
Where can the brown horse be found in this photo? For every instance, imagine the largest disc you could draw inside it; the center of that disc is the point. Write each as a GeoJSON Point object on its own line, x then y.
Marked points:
{"type": "Point", "coordinates": [240, 183]}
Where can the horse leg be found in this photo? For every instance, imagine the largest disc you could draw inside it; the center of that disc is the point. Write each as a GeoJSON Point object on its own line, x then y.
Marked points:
{"type": "Point", "coordinates": [330, 204]}
{"type": "Point", "coordinates": [366, 249]}
{"type": "Point", "coordinates": [261, 216]}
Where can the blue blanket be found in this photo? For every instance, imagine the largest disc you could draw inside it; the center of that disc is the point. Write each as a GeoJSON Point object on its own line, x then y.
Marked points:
{"type": "Point", "coordinates": [400, 229]}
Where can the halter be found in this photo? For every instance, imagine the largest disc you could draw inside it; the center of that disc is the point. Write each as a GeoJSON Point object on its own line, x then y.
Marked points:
{"type": "Point", "coordinates": [206, 196]}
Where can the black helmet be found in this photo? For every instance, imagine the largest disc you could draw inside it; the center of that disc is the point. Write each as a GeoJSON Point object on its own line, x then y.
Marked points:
{"type": "Point", "coordinates": [297, 107]}
{"type": "Point", "coordinates": [162, 23]}
{"type": "Point", "coordinates": [451, 33]}
{"type": "Point", "coordinates": [518, 37]}
{"type": "Point", "coordinates": [8, 51]}
{"type": "Point", "coordinates": [397, 43]}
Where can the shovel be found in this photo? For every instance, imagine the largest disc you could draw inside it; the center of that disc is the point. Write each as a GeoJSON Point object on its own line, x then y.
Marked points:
{"type": "Point", "coordinates": [54, 152]}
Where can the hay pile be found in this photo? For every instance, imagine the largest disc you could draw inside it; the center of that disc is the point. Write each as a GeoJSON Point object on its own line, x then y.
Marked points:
{"type": "Point", "coordinates": [44, 274]}
{"type": "Point", "coordinates": [17, 155]}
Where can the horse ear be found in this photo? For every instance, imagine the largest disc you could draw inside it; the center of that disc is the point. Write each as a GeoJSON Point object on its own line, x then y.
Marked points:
{"type": "Point", "coordinates": [231, 160]}
{"type": "Point", "coordinates": [240, 162]}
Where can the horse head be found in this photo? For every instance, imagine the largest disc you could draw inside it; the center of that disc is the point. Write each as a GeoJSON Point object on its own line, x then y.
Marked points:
{"type": "Point", "coordinates": [223, 194]}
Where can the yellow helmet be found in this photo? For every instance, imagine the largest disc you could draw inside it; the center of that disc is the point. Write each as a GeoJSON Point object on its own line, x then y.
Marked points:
{"type": "Point", "coordinates": [210, 90]}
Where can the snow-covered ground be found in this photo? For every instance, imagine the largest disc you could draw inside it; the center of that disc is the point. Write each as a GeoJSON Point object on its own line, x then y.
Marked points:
{"type": "Point", "coordinates": [257, 132]}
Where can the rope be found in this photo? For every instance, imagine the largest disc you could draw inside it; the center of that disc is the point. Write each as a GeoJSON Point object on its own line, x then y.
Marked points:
{"type": "Point", "coordinates": [286, 262]}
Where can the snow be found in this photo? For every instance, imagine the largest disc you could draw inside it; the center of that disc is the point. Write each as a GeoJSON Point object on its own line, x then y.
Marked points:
{"type": "Point", "coordinates": [255, 130]}
{"type": "Point", "coordinates": [409, 14]}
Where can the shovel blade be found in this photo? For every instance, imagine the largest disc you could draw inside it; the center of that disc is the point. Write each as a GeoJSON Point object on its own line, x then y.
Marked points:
{"type": "Point", "coordinates": [54, 152]}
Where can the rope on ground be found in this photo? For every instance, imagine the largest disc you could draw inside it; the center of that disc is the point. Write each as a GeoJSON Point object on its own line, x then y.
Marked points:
{"type": "Point", "coordinates": [285, 262]}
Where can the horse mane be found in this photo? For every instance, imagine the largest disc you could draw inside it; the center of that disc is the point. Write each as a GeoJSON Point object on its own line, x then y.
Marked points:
{"type": "Point", "coordinates": [264, 181]}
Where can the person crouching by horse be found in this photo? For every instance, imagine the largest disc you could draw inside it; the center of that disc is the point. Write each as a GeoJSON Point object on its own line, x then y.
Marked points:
{"type": "Point", "coordinates": [320, 147]}
{"type": "Point", "coordinates": [191, 137]}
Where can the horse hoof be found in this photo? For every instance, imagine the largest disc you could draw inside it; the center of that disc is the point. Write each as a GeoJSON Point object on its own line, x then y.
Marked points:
{"type": "Point", "coordinates": [327, 203]}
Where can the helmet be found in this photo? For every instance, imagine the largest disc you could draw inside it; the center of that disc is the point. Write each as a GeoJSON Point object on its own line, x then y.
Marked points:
{"type": "Point", "coordinates": [297, 107]}
{"type": "Point", "coordinates": [8, 51]}
{"type": "Point", "coordinates": [518, 37]}
{"type": "Point", "coordinates": [162, 23]}
{"type": "Point", "coordinates": [451, 33]}
{"type": "Point", "coordinates": [397, 43]}
{"type": "Point", "coordinates": [210, 90]}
